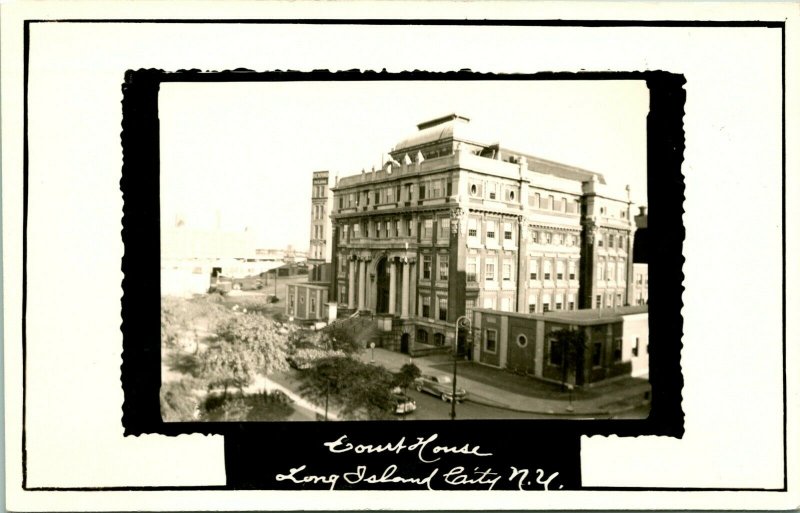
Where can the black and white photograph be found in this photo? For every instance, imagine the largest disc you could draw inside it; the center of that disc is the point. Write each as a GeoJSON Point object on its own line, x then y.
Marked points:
{"type": "Point", "coordinates": [402, 255]}
{"type": "Point", "coordinates": [434, 250]}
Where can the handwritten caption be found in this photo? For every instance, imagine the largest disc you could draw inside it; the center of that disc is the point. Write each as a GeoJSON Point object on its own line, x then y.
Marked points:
{"type": "Point", "coordinates": [427, 452]}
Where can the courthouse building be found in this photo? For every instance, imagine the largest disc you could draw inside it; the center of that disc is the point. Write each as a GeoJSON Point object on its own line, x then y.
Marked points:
{"type": "Point", "coordinates": [454, 222]}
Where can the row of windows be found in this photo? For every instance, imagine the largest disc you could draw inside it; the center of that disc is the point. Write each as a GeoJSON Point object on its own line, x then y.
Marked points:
{"type": "Point", "coordinates": [318, 191]}
{"type": "Point", "coordinates": [610, 270]}
{"type": "Point", "coordinates": [425, 307]}
{"type": "Point", "coordinates": [430, 189]}
{"type": "Point", "coordinates": [623, 214]}
{"type": "Point", "coordinates": [551, 302]}
{"type": "Point", "coordinates": [611, 300]}
{"type": "Point", "coordinates": [556, 349]}
{"type": "Point", "coordinates": [317, 212]}
{"type": "Point", "coordinates": [611, 241]}
{"type": "Point", "coordinates": [564, 269]}
{"type": "Point", "coordinates": [312, 304]}
{"type": "Point", "coordinates": [319, 231]}
{"type": "Point", "coordinates": [550, 202]}
{"type": "Point", "coordinates": [491, 228]}
{"type": "Point", "coordinates": [443, 267]}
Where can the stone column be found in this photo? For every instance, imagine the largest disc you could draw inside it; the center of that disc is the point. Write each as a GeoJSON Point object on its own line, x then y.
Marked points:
{"type": "Point", "coordinates": [362, 284]}
{"type": "Point", "coordinates": [351, 286]}
{"type": "Point", "coordinates": [392, 287]}
{"type": "Point", "coordinates": [404, 301]}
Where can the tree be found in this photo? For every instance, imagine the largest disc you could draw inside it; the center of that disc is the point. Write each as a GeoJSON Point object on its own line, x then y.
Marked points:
{"type": "Point", "coordinates": [351, 335]}
{"type": "Point", "coordinates": [248, 344]}
{"type": "Point", "coordinates": [572, 344]}
{"type": "Point", "coordinates": [357, 389]}
{"type": "Point", "coordinates": [406, 376]}
{"type": "Point", "coordinates": [178, 401]}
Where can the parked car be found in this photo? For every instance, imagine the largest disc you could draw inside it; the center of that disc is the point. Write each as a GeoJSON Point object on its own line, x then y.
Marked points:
{"type": "Point", "coordinates": [403, 404]}
{"type": "Point", "coordinates": [440, 385]}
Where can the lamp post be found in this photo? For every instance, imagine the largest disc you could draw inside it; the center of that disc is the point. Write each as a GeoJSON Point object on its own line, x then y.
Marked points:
{"type": "Point", "coordinates": [463, 320]}
{"type": "Point", "coordinates": [372, 349]}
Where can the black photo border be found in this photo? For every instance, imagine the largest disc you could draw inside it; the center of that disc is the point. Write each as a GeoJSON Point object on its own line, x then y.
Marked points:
{"type": "Point", "coordinates": [141, 224]}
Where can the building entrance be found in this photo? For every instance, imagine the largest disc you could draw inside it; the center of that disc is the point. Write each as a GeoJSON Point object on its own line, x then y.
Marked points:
{"type": "Point", "coordinates": [382, 278]}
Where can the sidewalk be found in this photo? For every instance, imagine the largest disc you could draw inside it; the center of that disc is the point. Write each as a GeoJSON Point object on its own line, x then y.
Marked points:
{"type": "Point", "coordinates": [606, 399]}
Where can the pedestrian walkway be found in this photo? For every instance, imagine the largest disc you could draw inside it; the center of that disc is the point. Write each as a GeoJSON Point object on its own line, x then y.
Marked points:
{"type": "Point", "coordinates": [605, 400]}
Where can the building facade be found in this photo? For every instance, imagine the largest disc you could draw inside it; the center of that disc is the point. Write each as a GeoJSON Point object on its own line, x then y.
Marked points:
{"type": "Point", "coordinates": [319, 246]}
{"type": "Point", "coordinates": [451, 223]}
{"type": "Point", "coordinates": [615, 343]}
{"type": "Point", "coordinates": [307, 302]}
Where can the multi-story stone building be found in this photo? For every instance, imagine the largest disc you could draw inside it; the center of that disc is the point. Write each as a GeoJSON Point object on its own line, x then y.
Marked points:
{"type": "Point", "coordinates": [452, 222]}
{"type": "Point", "coordinates": [319, 247]}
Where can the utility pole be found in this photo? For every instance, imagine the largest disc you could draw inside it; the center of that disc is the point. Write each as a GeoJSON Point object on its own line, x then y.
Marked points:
{"type": "Point", "coordinates": [466, 322]}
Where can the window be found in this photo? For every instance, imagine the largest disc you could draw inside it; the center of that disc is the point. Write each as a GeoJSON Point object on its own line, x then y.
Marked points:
{"type": "Point", "coordinates": [426, 267]}
{"type": "Point", "coordinates": [490, 266]}
{"type": "Point", "coordinates": [535, 237]}
{"type": "Point", "coordinates": [470, 305]}
{"type": "Point", "coordinates": [511, 195]}
{"type": "Point", "coordinates": [389, 229]}
{"type": "Point", "coordinates": [610, 242]}
{"type": "Point", "coordinates": [548, 238]}
{"type": "Point", "coordinates": [559, 301]}
{"type": "Point", "coordinates": [356, 230]}
{"type": "Point", "coordinates": [291, 304]}
{"type": "Point", "coordinates": [313, 305]}
{"type": "Point", "coordinates": [571, 267]}
{"type": "Point", "coordinates": [638, 279]}
{"type": "Point", "coordinates": [560, 270]}
{"type": "Point", "coordinates": [598, 301]}
{"type": "Point", "coordinates": [408, 227]}
{"type": "Point", "coordinates": [533, 268]}
{"type": "Point", "coordinates": [490, 227]}
{"type": "Point", "coordinates": [422, 336]}
{"type": "Point", "coordinates": [522, 341]}
{"type": "Point", "coordinates": [537, 200]}
{"type": "Point", "coordinates": [426, 306]}
{"type": "Point", "coordinates": [635, 348]}
{"type": "Point", "coordinates": [621, 270]}
{"type": "Point", "coordinates": [444, 228]}
{"type": "Point", "coordinates": [556, 351]}
{"type": "Point", "coordinates": [548, 269]}
{"type": "Point", "coordinates": [422, 192]}
{"type": "Point", "coordinates": [611, 268]}
{"type": "Point", "coordinates": [546, 303]}
{"type": "Point", "coordinates": [442, 308]}
{"type": "Point", "coordinates": [378, 229]}
{"type": "Point", "coordinates": [551, 202]}
{"type": "Point", "coordinates": [397, 229]}
{"type": "Point", "coordinates": [507, 234]}
{"type": "Point", "coordinates": [427, 228]}
{"type": "Point", "coordinates": [472, 270]}
{"type": "Point", "coordinates": [490, 342]}
{"type": "Point", "coordinates": [597, 354]}
{"type": "Point", "coordinates": [601, 270]}
{"type": "Point", "coordinates": [472, 226]}
{"type": "Point", "coordinates": [341, 202]}
{"type": "Point", "coordinates": [366, 198]}
{"type": "Point", "coordinates": [507, 270]}
{"type": "Point", "coordinates": [532, 304]}
{"type": "Point", "coordinates": [617, 350]}
{"type": "Point", "coordinates": [599, 241]}
{"type": "Point", "coordinates": [619, 299]}
{"type": "Point", "coordinates": [438, 339]}
{"type": "Point", "coordinates": [473, 190]}
{"type": "Point", "coordinates": [571, 302]}
{"type": "Point", "coordinates": [443, 267]}
{"type": "Point", "coordinates": [492, 191]}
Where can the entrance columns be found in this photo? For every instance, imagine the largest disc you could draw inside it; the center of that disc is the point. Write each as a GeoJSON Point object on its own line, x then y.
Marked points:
{"type": "Point", "coordinates": [362, 284]}
{"type": "Point", "coordinates": [392, 287]}
{"type": "Point", "coordinates": [351, 286]}
{"type": "Point", "coordinates": [404, 302]}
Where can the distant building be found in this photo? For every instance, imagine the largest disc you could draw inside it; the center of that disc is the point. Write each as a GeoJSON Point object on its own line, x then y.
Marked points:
{"type": "Point", "coordinates": [319, 247]}
{"type": "Point", "coordinates": [616, 343]}
{"type": "Point", "coordinates": [454, 222]}
{"type": "Point", "coordinates": [307, 302]}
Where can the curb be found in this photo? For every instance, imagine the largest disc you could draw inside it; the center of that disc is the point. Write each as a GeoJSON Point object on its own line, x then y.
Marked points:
{"type": "Point", "coordinates": [503, 406]}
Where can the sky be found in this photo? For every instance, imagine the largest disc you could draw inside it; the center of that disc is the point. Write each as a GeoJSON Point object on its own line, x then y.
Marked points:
{"type": "Point", "coordinates": [243, 153]}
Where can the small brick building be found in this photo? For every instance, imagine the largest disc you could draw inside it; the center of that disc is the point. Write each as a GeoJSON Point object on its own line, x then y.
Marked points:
{"type": "Point", "coordinates": [616, 343]}
{"type": "Point", "coordinates": [307, 302]}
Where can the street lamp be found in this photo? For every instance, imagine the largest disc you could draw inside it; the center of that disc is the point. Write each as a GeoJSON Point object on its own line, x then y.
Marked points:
{"type": "Point", "coordinates": [372, 349]}
{"type": "Point", "coordinates": [463, 320]}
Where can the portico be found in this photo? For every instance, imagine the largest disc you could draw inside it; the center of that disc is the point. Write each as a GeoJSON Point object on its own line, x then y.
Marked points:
{"type": "Point", "coordinates": [380, 281]}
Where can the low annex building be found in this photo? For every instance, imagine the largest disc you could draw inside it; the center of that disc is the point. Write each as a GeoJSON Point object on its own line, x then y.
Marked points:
{"type": "Point", "coordinates": [616, 343]}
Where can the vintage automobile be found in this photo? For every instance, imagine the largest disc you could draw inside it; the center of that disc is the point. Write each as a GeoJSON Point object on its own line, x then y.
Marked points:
{"type": "Point", "coordinates": [403, 404]}
{"type": "Point", "coordinates": [440, 385]}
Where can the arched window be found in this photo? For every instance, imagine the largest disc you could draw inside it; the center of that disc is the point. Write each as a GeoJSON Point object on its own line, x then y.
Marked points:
{"type": "Point", "coordinates": [438, 339]}
{"type": "Point", "coordinates": [422, 336]}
